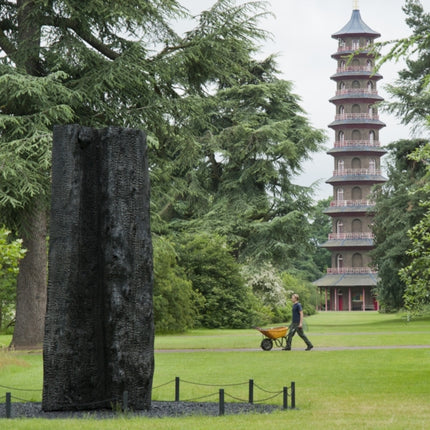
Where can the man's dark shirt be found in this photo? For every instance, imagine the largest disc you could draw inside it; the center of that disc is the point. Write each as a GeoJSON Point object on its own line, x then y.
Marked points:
{"type": "Point", "coordinates": [297, 307]}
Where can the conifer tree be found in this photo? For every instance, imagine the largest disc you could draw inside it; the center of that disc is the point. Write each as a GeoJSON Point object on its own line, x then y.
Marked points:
{"type": "Point", "coordinates": [100, 63]}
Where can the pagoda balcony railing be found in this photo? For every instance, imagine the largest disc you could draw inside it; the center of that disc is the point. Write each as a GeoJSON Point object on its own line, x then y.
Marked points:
{"type": "Point", "coordinates": [355, 172]}
{"type": "Point", "coordinates": [347, 91]}
{"type": "Point", "coordinates": [351, 203]}
{"type": "Point", "coordinates": [344, 143]}
{"type": "Point", "coordinates": [352, 270]}
{"type": "Point", "coordinates": [350, 48]}
{"type": "Point", "coordinates": [342, 236]}
{"type": "Point", "coordinates": [354, 69]}
{"type": "Point", "coordinates": [342, 116]}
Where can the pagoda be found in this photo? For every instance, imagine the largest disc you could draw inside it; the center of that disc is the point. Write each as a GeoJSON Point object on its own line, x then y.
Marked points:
{"type": "Point", "coordinates": [349, 282]}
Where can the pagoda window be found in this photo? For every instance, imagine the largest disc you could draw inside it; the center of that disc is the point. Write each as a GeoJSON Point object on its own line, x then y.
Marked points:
{"type": "Point", "coordinates": [355, 62]}
{"type": "Point", "coordinates": [356, 193]}
{"type": "Point", "coordinates": [356, 135]}
{"type": "Point", "coordinates": [372, 165]}
{"type": "Point", "coordinates": [356, 163]}
{"type": "Point", "coordinates": [356, 84]}
{"type": "Point", "coordinates": [341, 136]}
{"type": "Point", "coordinates": [342, 65]}
{"type": "Point", "coordinates": [355, 43]}
{"type": "Point", "coordinates": [340, 166]}
{"type": "Point", "coordinates": [339, 226]}
{"type": "Point", "coordinates": [370, 85]}
{"type": "Point", "coordinates": [342, 43]}
{"type": "Point", "coordinates": [339, 261]}
{"type": "Point", "coordinates": [369, 64]}
{"type": "Point", "coordinates": [371, 136]}
{"type": "Point", "coordinates": [342, 85]}
{"type": "Point", "coordinates": [357, 260]}
{"type": "Point", "coordinates": [355, 108]}
{"type": "Point", "coordinates": [356, 226]}
{"type": "Point", "coordinates": [368, 42]}
{"type": "Point", "coordinates": [339, 194]}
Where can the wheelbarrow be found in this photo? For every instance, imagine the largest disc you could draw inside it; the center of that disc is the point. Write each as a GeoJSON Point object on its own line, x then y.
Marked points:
{"type": "Point", "coordinates": [274, 335]}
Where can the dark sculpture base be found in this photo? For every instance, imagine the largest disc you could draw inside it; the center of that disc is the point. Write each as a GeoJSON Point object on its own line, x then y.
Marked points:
{"type": "Point", "coordinates": [99, 329]}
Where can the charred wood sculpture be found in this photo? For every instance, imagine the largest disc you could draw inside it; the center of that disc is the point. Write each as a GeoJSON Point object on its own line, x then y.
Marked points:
{"type": "Point", "coordinates": [99, 328]}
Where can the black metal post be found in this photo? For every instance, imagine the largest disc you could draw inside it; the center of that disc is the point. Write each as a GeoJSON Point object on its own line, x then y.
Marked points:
{"type": "Point", "coordinates": [293, 395]}
{"type": "Point", "coordinates": [177, 389]}
{"type": "Point", "coordinates": [285, 406]}
{"type": "Point", "coordinates": [221, 401]}
{"type": "Point", "coordinates": [8, 405]}
{"type": "Point", "coordinates": [251, 391]}
{"type": "Point", "coordinates": [125, 401]}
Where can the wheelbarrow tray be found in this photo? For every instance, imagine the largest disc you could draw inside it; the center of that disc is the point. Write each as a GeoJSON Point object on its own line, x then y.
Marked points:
{"type": "Point", "coordinates": [274, 332]}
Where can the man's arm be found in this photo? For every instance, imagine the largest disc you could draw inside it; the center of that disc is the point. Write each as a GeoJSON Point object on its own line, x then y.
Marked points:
{"type": "Point", "coordinates": [301, 319]}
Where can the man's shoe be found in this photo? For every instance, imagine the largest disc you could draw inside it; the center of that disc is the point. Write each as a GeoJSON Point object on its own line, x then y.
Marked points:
{"type": "Point", "coordinates": [309, 348]}
{"type": "Point", "coordinates": [286, 349]}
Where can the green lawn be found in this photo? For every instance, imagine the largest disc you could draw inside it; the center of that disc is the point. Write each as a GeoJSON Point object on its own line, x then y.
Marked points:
{"type": "Point", "coordinates": [335, 389]}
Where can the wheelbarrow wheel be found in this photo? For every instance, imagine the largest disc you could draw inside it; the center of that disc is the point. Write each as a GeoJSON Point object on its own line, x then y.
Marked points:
{"type": "Point", "coordinates": [266, 344]}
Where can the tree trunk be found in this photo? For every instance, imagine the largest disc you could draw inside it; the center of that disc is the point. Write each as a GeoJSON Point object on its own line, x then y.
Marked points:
{"type": "Point", "coordinates": [31, 285]}
{"type": "Point", "coordinates": [32, 278]}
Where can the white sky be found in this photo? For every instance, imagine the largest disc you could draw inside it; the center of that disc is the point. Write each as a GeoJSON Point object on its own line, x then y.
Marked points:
{"type": "Point", "coordinates": [302, 39]}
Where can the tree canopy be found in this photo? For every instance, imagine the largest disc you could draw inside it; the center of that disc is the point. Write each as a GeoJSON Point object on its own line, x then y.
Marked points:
{"type": "Point", "coordinates": [253, 140]}
{"type": "Point", "coordinates": [397, 210]}
{"type": "Point", "coordinates": [411, 98]}
{"type": "Point", "coordinates": [226, 135]}
{"type": "Point", "coordinates": [401, 254]}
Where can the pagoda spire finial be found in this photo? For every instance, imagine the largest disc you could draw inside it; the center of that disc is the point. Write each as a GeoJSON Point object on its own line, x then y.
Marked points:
{"type": "Point", "coordinates": [355, 5]}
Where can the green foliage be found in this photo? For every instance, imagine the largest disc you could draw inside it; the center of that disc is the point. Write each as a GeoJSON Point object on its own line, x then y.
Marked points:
{"type": "Point", "coordinates": [254, 137]}
{"type": "Point", "coordinates": [29, 107]}
{"type": "Point", "coordinates": [410, 91]}
{"type": "Point", "coordinates": [307, 292]}
{"type": "Point", "coordinates": [226, 135]}
{"type": "Point", "coordinates": [320, 228]}
{"type": "Point", "coordinates": [267, 286]}
{"type": "Point", "coordinates": [11, 253]}
{"type": "Point", "coordinates": [402, 228]}
{"type": "Point", "coordinates": [398, 209]}
{"type": "Point", "coordinates": [214, 273]}
{"type": "Point", "coordinates": [176, 304]}
{"type": "Point", "coordinates": [416, 275]}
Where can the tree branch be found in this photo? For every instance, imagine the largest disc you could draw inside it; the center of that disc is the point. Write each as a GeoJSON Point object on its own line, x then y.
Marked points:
{"type": "Point", "coordinates": [6, 45]}
{"type": "Point", "coordinates": [84, 35]}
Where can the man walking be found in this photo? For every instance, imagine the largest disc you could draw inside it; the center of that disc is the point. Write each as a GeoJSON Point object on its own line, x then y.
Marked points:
{"type": "Point", "coordinates": [297, 324]}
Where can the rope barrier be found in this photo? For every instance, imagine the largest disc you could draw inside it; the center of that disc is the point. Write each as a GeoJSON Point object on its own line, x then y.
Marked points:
{"type": "Point", "coordinates": [287, 392]}
{"type": "Point", "coordinates": [236, 398]}
{"type": "Point", "coordinates": [266, 391]}
{"type": "Point", "coordinates": [20, 389]}
{"type": "Point", "coordinates": [23, 400]}
{"type": "Point", "coordinates": [215, 385]}
{"type": "Point", "coordinates": [269, 398]}
{"type": "Point", "coordinates": [162, 385]}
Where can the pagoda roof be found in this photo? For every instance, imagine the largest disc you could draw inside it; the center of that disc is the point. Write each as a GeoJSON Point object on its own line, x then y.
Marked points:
{"type": "Point", "coordinates": [359, 74]}
{"type": "Point", "coordinates": [357, 96]}
{"type": "Point", "coordinates": [347, 243]}
{"type": "Point", "coordinates": [356, 178]}
{"type": "Point", "coordinates": [357, 122]}
{"type": "Point", "coordinates": [347, 280]}
{"type": "Point", "coordinates": [355, 27]}
{"type": "Point", "coordinates": [342, 210]}
{"type": "Point", "coordinates": [357, 149]}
